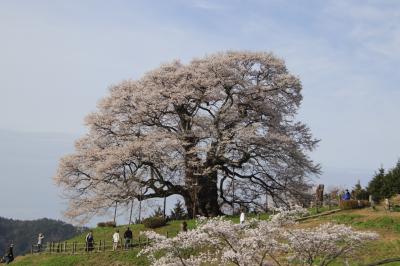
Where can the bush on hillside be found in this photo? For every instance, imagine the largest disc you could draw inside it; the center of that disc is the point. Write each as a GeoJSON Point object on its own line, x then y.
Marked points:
{"type": "Point", "coordinates": [154, 222]}
{"type": "Point", "coordinates": [353, 204]}
{"type": "Point", "coordinates": [107, 224]}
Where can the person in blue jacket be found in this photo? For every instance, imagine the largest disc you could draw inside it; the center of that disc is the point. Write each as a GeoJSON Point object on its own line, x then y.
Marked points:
{"type": "Point", "coordinates": [346, 195]}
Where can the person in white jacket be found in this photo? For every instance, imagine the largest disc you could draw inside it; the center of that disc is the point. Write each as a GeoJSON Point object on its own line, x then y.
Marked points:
{"type": "Point", "coordinates": [242, 217]}
{"type": "Point", "coordinates": [116, 239]}
{"type": "Point", "coordinates": [40, 242]}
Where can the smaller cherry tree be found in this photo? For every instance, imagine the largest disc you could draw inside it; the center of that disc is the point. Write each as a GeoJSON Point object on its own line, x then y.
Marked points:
{"type": "Point", "coordinates": [323, 244]}
{"type": "Point", "coordinates": [218, 241]}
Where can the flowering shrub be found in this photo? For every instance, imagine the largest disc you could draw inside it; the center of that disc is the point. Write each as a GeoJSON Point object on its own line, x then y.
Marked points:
{"type": "Point", "coordinates": [288, 217]}
{"type": "Point", "coordinates": [275, 242]}
{"type": "Point", "coordinates": [324, 243]}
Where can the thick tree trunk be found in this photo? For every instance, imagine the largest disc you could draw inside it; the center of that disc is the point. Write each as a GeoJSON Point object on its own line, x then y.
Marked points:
{"type": "Point", "coordinates": [208, 196]}
{"type": "Point", "coordinates": [202, 196]}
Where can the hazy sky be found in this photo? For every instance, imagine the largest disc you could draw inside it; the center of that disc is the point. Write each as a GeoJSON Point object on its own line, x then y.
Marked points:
{"type": "Point", "coordinates": [57, 59]}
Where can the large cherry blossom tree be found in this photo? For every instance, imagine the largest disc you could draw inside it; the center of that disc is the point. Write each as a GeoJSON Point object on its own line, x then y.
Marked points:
{"type": "Point", "coordinates": [193, 130]}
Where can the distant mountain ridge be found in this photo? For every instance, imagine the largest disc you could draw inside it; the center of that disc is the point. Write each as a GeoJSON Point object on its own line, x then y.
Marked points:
{"type": "Point", "coordinates": [24, 233]}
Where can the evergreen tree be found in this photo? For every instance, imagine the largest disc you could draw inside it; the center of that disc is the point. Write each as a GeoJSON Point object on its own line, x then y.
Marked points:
{"type": "Point", "coordinates": [385, 185]}
{"type": "Point", "coordinates": [391, 185]}
{"type": "Point", "coordinates": [375, 186]}
{"type": "Point", "coordinates": [158, 212]}
{"type": "Point", "coordinates": [359, 193]}
{"type": "Point", "coordinates": [178, 212]}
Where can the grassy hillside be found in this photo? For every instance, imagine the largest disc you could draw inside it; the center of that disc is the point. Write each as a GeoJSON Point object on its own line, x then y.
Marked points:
{"type": "Point", "coordinates": [24, 233]}
{"type": "Point", "coordinates": [386, 224]}
{"type": "Point", "coordinates": [103, 258]}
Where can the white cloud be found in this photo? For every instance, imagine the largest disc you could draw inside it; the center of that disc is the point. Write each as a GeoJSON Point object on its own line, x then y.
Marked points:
{"type": "Point", "coordinates": [372, 25]}
{"type": "Point", "coordinates": [216, 5]}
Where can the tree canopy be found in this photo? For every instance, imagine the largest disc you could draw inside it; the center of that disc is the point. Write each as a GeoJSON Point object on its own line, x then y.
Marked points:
{"type": "Point", "coordinates": [385, 185]}
{"type": "Point", "coordinates": [194, 130]}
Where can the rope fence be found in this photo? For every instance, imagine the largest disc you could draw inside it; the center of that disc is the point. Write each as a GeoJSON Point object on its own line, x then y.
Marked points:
{"type": "Point", "coordinates": [74, 247]}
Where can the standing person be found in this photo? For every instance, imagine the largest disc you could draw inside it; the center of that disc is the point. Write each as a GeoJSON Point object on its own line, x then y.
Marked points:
{"type": "Point", "coordinates": [184, 226]}
{"type": "Point", "coordinates": [40, 242]}
{"type": "Point", "coordinates": [9, 256]}
{"type": "Point", "coordinates": [116, 239]}
{"type": "Point", "coordinates": [242, 217]}
{"type": "Point", "coordinates": [346, 195]}
{"type": "Point", "coordinates": [89, 241]}
{"type": "Point", "coordinates": [128, 238]}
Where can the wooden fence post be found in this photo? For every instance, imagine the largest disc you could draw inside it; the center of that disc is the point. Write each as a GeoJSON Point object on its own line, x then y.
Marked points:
{"type": "Point", "coordinates": [371, 201]}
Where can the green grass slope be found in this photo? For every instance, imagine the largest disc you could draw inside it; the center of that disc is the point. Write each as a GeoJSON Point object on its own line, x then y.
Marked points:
{"type": "Point", "coordinates": [386, 224]}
